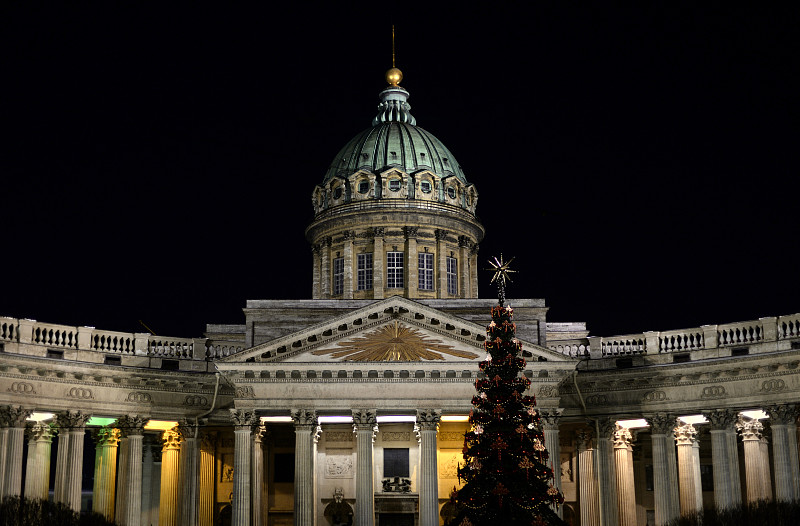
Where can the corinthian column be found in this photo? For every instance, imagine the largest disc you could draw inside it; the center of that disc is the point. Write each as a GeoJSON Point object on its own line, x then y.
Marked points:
{"type": "Point", "coordinates": [130, 512]}
{"type": "Point", "coordinates": [190, 466]}
{"type": "Point", "coordinates": [364, 421]}
{"type": "Point", "coordinates": [623, 460]}
{"type": "Point", "coordinates": [691, 496]}
{"type": "Point", "coordinates": [428, 422]}
{"type": "Point", "coordinates": [105, 471]}
{"type": "Point", "coordinates": [664, 478]}
{"type": "Point", "coordinates": [257, 497]}
{"type": "Point", "coordinates": [782, 421]}
{"type": "Point", "coordinates": [13, 419]}
{"type": "Point", "coordinates": [587, 479]}
{"type": "Point", "coordinates": [243, 422]}
{"type": "Point", "coordinates": [208, 443]}
{"type": "Point", "coordinates": [549, 420]}
{"type": "Point", "coordinates": [170, 466]}
{"type": "Point", "coordinates": [754, 471]}
{"type": "Point", "coordinates": [37, 479]}
{"type": "Point", "coordinates": [72, 424]}
{"type": "Point", "coordinates": [305, 423]}
{"type": "Point", "coordinates": [721, 421]}
{"type": "Point", "coordinates": [606, 474]}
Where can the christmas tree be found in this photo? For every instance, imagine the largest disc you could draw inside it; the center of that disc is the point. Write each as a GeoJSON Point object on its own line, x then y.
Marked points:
{"type": "Point", "coordinates": [506, 474]}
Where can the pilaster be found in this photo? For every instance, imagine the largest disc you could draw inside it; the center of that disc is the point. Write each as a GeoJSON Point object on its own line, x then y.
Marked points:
{"type": "Point", "coordinates": [378, 264]}
{"type": "Point", "coordinates": [463, 267]}
{"type": "Point", "coordinates": [258, 497]}
{"type": "Point", "coordinates": [412, 262]}
{"type": "Point", "coordinates": [349, 236]}
{"type": "Point", "coordinates": [325, 268]}
{"type": "Point", "coordinates": [441, 263]}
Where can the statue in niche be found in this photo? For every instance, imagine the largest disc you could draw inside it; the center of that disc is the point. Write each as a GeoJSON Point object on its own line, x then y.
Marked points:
{"type": "Point", "coordinates": [338, 512]}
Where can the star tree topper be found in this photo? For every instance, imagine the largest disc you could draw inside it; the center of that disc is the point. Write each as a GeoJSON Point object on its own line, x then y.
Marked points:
{"type": "Point", "coordinates": [501, 274]}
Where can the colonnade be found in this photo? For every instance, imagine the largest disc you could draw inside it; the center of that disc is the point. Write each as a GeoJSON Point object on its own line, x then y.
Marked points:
{"type": "Point", "coordinates": [607, 481]}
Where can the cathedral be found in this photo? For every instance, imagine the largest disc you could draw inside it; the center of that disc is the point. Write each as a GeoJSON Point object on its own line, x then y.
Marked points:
{"type": "Point", "coordinates": [350, 408]}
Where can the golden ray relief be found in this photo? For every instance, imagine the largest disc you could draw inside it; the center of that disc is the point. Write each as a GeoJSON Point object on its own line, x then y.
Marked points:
{"type": "Point", "coordinates": [393, 343]}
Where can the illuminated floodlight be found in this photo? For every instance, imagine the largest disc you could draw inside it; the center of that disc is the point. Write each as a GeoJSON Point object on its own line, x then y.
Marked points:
{"type": "Point", "coordinates": [756, 414]}
{"type": "Point", "coordinates": [335, 419]}
{"type": "Point", "coordinates": [630, 424]}
{"type": "Point", "coordinates": [160, 425]}
{"type": "Point", "coordinates": [37, 416]}
{"type": "Point", "coordinates": [693, 419]}
{"type": "Point", "coordinates": [276, 419]}
{"type": "Point", "coordinates": [396, 419]}
{"type": "Point", "coordinates": [455, 418]}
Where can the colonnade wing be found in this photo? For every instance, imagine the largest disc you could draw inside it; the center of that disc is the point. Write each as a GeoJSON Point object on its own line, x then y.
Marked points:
{"type": "Point", "coordinates": [395, 352]}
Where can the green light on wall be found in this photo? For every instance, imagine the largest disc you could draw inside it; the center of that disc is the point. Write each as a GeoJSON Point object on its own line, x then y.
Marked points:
{"type": "Point", "coordinates": [100, 421]}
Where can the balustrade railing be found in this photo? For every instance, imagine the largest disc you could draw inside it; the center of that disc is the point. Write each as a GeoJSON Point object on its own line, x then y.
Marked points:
{"type": "Point", "coordinates": [623, 345]}
{"type": "Point", "coordinates": [170, 348]}
{"type": "Point", "coordinates": [221, 349]}
{"type": "Point", "coordinates": [573, 348]}
{"type": "Point", "coordinates": [55, 335]}
{"type": "Point", "coordinates": [740, 333]}
{"type": "Point", "coordinates": [789, 326]}
{"type": "Point", "coordinates": [112, 342]}
{"type": "Point", "coordinates": [8, 329]}
{"type": "Point", "coordinates": [681, 340]}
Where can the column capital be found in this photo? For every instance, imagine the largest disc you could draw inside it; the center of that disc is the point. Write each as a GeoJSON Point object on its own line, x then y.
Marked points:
{"type": "Point", "coordinates": [304, 417]}
{"type": "Point", "coordinates": [584, 438]}
{"type": "Point", "coordinates": [782, 414]}
{"type": "Point", "coordinates": [550, 418]}
{"type": "Point", "coordinates": [13, 415]}
{"type": "Point", "coordinates": [410, 232]}
{"type": "Point", "coordinates": [187, 428]}
{"type": "Point", "coordinates": [623, 438]}
{"type": "Point", "coordinates": [106, 436]}
{"type": "Point", "coordinates": [378, 231]}
{"type": "Point", "coordinates": [348, 235]}
{"type": "Point", "coordinates": [685, 434]}
{"type": "Point", "coordinates": [208, 440]}
{"type": "Point", "coordinates": [364, 418]}
{"type": "Point", "coordinates": [171, 440]}
{"type": "Point", "coordinates": [607, 428]}
{"type": "Point", "coordinates": [41, 431]}
{"type": "Point", "coordinates": [440, 234]}
{"type": "Point", "coordinates": [428, 419]}
{"type": "Point", "coordinates": [721, 419]}
{"type": "Point", "coordinates": [71, 419]}
{"type": "Point", "coordinates": [749, 428]}
{"type": "Point", "coordinates": [130, 425]}
{"type": "Point", "coordinates": [662, 423]}
{"type": "Point", "coordinates": [243, 419]}
{"type": "Point", "coordinates": [464, 242]}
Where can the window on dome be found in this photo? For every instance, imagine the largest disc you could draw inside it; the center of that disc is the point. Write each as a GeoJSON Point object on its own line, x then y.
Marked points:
{"type": "Point", "coordinates": [364, 271]}
{"type": "Point", "coordinates": [394, 185]}
{"type": "Point", "coordinates": [363, 187]}
{"type": "Point", "coordinates": [337, 192]}
{"type": "Point", "coordinates": [452, 276]}
{"type": "Point", "coordinates": [425, 271]}
{"type": "Point", "coordinates": [394, 270]}
{"type": "Point", "coordinates": [425, 186]}
{"type": "Point", "coordinates": [451, 192]}
{"type": "Point", "coordinates": [338, 275]}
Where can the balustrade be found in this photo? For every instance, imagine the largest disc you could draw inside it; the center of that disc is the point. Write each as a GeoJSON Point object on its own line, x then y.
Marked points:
{"type": "Point", "coordinates": [789, 326]}
{"type": "Point", "coordinates": [108, 342]}
{"type": "Point", "coordinates": [681, 340]}
{"type": "Point", "coordinates": [740, 333]}
{"type": "Point", "coordinates": [621, 345]}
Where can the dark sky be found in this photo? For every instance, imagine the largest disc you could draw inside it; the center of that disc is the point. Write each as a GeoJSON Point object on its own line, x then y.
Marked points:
{"type": "Point", "coordinates": [641, 165]}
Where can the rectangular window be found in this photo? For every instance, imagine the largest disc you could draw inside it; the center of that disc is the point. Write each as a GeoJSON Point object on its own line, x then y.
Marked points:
{"type": "Point", "coordinates": [425, 271]}
{"type": "Point", "coordinates": [364, 272]}
{"type": "Point", "coordinates": [338, 275]}
{"type": "Point", "coordinates": [452, 276]}
{"type": "Point", "coordinates": [394, 270]}
{"type": "Point", "coordinates": [395, 462]}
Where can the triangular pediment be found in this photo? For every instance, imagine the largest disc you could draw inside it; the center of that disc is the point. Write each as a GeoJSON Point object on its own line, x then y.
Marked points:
{"type": "Point", "coordinates": [395, 329]}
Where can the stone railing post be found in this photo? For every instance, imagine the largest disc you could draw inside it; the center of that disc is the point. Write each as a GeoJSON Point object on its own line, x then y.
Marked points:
{"type": "Point", "coordinates": [770, 327]}
{"type": "Point", "coordinates": [652, 345]}
{"type": "Point", "coordinates": [710, 336]}
{"type": "Point", "coordinates": [85, 338]}
{"type": "Point", "coordinates": [595, 346]}
{"type": "Point", "coordinates": [141, 343]}
{"type": "Point", "coordinates": [25, 330]}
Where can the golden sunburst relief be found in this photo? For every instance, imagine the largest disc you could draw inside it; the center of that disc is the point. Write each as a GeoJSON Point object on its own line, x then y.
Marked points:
{"type": "Point", "coordinates": [394, 342]}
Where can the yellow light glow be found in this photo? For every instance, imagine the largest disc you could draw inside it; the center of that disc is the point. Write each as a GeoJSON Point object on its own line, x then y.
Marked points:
{"type": "Point", "coordinates": [335, 419]}
{"type": "Point", "coordinates": [160, 425]}
{"type": "Point", "coordinates": [455, 418]}
{"type": "Point", "coordinates": [276, 419]}
{"type": "Point", "coordinates": [39, 417]}
{"type": "Point", "coordinates": [630, 424]}
{"type": "Point", "coordinates": [756, 414]}
{"type": "Point", "coordinates": [395, 419]}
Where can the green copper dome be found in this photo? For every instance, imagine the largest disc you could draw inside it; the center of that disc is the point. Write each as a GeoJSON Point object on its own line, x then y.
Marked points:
{"type": "Point", "coordinates": [394, 141]}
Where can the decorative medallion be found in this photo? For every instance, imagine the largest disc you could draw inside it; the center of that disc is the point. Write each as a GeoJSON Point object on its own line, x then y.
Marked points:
{"type": "Point", "coordinates": [394, 342]}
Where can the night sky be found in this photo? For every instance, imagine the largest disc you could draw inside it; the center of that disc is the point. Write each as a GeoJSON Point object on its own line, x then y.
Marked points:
{"type": "Point", "coordinates": [158, 163]}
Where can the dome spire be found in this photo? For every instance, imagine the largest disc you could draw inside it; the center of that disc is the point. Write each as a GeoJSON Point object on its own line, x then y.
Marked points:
{"type": "Point", "coordinates": [394, 106]}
